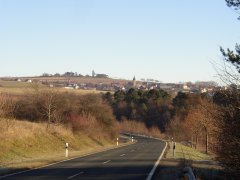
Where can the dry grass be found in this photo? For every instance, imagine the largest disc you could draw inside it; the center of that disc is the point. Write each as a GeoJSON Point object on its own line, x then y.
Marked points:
{"type": "Point", "coordinates": [81, 80]}
{"type": "Point", "coordinates": [80, 91]}
{"type": "Point", "coordinates": [14, 87]}
{"type": "Point", "coordinates": [14, 84]}
{"type": "Point", "coordinates": [20, 88]}
{"type": "Point", "coordinates": [73, 79]}
{"type": "Point", "coordinates": [26, 144]}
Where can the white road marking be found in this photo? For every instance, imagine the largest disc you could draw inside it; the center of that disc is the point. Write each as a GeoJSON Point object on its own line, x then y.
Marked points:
{"type": "Point", "coordinates": [107, 162]}
{"type": "Point", "coordinates": [75, 175]}
{"type": "Point", "coordinates": [156, 164]}
{"type": "Point", "coordinates": [123, 155]}
{"type": "Point", "coordinates": [132, 150]}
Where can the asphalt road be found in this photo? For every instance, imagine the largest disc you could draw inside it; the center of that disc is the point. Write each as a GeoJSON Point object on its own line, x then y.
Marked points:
{"type": "Point", "coordinates": [130, 162]}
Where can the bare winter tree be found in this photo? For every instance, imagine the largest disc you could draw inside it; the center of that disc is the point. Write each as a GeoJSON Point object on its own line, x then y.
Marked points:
{"type": "Point", "coordinates": [47, 103]}
{"type": "Point", "coordinates": [7, 106]}
{"type": "Point", "coordinates": [201, 120]}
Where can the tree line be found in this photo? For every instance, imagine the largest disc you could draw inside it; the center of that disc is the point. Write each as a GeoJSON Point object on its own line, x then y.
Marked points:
{"type": "Point", "coordinates": [82, 113]}
{"type": "Point", "coordinates": [73, 74]}
{"type": "Point", "coordinates": [152, 107]}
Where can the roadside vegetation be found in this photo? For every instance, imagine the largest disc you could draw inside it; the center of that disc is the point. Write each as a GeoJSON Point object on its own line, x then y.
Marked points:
{"type": "Point", "coordinates": [186, 153]}
{"type": "Point", "coordinates": [37, 125]}
{"type": "Point", "coordinates": [214, 118]}
{"type": "Point", "coordinates": [27, 144]}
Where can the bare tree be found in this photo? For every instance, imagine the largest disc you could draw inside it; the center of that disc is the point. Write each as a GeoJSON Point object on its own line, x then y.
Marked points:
{"type": "Point", "coordinates": [7, 106]}
{"type": "Point", "coordinates": [191, 125]}
{"type": "Point", "coordinates": [201, 120]}
{"type": "Point", "coordinates": [47, 103]}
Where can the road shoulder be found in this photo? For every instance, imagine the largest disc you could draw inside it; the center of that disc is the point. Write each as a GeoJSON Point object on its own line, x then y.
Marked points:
{"type": "Point", "coordinates": [171, 167]}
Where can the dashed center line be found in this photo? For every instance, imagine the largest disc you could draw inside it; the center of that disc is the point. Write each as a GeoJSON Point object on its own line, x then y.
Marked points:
{"type": "Point", "coordinates": [123, 155]}
{"type": "Point", "coordinates": [75, 175]}
{"type": "Point", "coordinates": [106, 162]}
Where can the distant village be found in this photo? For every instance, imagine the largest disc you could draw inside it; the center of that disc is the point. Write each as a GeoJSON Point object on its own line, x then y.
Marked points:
{"type": "Point", "coordinates": [102, 82]}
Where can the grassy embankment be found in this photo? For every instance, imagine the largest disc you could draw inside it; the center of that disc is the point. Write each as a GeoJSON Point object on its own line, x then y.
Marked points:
{"type": "Point", "coordinates": [26, 144]}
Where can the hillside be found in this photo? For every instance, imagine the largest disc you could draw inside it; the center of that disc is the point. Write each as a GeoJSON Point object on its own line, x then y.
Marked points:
{"type": "Point", "coordinates": [27, 144]}
{"type": "Point", "coordinates": [78, 80]}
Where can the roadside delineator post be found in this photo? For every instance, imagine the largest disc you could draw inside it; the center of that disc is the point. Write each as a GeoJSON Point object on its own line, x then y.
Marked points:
{"type": "Point", "coordinates": [66, 150]}
{"type": "Point", "coordinates": [117, 141]}
{"type": "Point", "coordinates": [174, 148]}
{"type": "Point", "coordinates": [132, 138]}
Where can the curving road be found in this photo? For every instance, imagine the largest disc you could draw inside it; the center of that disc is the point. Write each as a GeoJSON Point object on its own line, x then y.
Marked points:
{"type": "Point", "coordinates": [135, 161]}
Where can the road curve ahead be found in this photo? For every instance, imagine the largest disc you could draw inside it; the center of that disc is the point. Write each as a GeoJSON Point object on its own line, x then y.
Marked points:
{"type": "Point", "coordinates": [135, 161]}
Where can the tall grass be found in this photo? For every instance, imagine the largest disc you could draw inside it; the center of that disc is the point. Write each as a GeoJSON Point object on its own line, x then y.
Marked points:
{"type": "Point", "coordinates": [29, 142]}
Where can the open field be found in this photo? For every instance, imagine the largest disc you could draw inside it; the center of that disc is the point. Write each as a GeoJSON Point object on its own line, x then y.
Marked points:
{"type": "Point", "coordinates": [14, 87]}
{"type": "Point", "coordinates": [81, 91]}
{"type": "Point", "coordinates": [19, 88]}
{"type": "Point", "coordinates": [71, 79]}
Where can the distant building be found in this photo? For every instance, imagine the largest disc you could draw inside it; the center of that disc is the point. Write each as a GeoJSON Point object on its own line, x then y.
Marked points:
{"type": "Point", "coordinates": [185, 87]}
{"type": "Point", "coordinates": [101, 76]}
{"type": "Point", "coordinates": [93, 73]}
{"type": "Point", "coordinates": [134, 83]}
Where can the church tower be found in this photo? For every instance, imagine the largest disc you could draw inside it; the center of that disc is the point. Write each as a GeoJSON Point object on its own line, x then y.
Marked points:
{"type": "Point", "coordinates": [134, 83]}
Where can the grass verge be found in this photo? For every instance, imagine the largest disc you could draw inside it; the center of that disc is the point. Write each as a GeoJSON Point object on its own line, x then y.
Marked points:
{"type": "Point", "coordinates": [202, 164]}
{"type": "Point", "coordinates": [187, 153]}
{"type": "Point", "coordinates": [26, 145]}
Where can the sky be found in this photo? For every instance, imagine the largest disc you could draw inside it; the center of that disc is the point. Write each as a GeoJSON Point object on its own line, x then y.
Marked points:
{"type": "Point", "coordinates": [170, 41]}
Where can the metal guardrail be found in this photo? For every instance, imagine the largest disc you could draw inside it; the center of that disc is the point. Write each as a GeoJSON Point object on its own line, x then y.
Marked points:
{"type": "Point", "coordinates": [188, 173]}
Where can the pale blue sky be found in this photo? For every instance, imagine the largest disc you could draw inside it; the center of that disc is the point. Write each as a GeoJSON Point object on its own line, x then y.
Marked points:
{"type": "Point", "coordinates": [170, 41]}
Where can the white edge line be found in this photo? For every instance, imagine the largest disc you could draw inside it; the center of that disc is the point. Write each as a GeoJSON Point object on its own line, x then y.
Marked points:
{"type": "Point", "coordinates": [106, 162]}
{"type": "Point", "coordinates": [75, 175]}
{"type": "Point", "coordinates": [156, 164]}
{"type": "Point", "coordinates": [21, 172]}
{"type": "Point", "coordinates": [8, 175]}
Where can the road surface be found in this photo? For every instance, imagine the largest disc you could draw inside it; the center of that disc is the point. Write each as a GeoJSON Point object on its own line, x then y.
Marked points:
{"type": "Point", "coordinates": [135, 161]}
